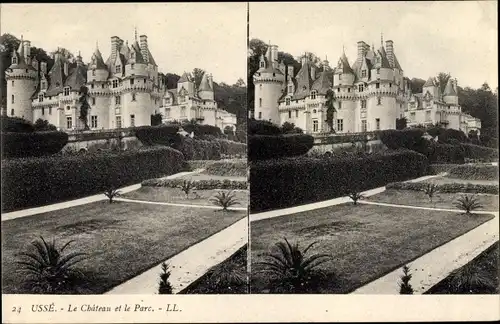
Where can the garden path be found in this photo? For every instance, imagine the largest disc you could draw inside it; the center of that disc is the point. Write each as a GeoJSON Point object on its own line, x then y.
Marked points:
{"type": "Point", "coordinates": [80, 201]}
{"type": "Point", "coordinates": [191, 264]}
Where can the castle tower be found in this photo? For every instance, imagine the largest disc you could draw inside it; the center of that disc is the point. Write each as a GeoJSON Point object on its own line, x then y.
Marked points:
{"type": "Point", "coordinates": [450, 95]}
{"type": "Point", "coordinates": [269, 82]}
{"type": "Point", "coordinates": [431, 87]}
{"type": "Point", "coordinates": [205, 91]}
{"type": "Point", "coordinates": [21, 79]}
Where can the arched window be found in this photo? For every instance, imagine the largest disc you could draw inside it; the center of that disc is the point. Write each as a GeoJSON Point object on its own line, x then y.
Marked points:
{"type": "Point", "coordinates": [262, 64]}
{"type": "Point", "coordinates": [313, 94]}
{"type": "Point", "coordinates": [287, 101]}
{"type": "Point", "coordinates": [13, 100]}
{"type": "Point", "coordinates": [260, 102]}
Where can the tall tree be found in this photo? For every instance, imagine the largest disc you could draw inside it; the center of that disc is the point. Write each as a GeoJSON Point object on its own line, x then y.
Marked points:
{"type": "Point", "coordinates": [84, 106]}
{"type": "Point", "coordinates": [441, 80]}
{"type": "Point", "coordinates": [416, 85]}
{"type": "Point", "coordinates": [197, 75]}
{"type": "Point", "coordinates": [330, 109]}
{"type": "Point", "coordinates": [239, 83]}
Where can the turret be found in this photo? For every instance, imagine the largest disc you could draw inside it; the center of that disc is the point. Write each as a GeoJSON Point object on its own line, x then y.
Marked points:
{"type": "Point", "coordinates": [205, 91]}
{"type": "Point", "coordinates": [344, 75]}
{"type": "Point", "coordinates": [450, 95]}
{"type": "Point", "coordinates": [382, 69]}
{"type": "Point", "coordinates": [98, 71]}
{"type": "Point", "coordinates": [186, 83]}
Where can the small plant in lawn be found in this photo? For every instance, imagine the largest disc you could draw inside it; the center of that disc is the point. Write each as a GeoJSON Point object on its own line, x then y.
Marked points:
{"type": "Point", "coordinates": [224, 199]}
{"type": "Point", "coordinates": [111, 194]}
{"type": "Point", "coordinates": [226, 278]}
{"type": "Point", "coordinates": [186, 187]}
{"type": "Point", "coordinates": [430, 189]}
{"type": "Point", "coordinates": [48, 270]}
{"type": "Point", "coordinates": [405, 287]}
{"type": "Point", "coordinates": [469, 279]}
{"type": "Point", "coordinates": [290, 271]}
{"type": "Point", "coordinates": [165, 287]}
{"type": "Point", "coordinates": [355, 196]}
{"type": "Point", "coordinates": [468, 203]}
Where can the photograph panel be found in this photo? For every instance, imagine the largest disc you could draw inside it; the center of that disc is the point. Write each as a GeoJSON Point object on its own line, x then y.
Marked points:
{"type": "Point", "coordinates": [124, 148]}
{"type": "Point", "coordinates": [373, 148]}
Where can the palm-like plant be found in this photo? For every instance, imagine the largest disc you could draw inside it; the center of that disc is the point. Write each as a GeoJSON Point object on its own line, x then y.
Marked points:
{"type": "Point", "coordinates": [468, 203]}
{"type": "Point", "coordinates": [355, 196]}
{"type": "Point", "coordinates": [48, 269]}
{"type": "Point", "coordinates": [224, 199]}
{"type": "Point", "coordinates": [165, 287]}
{"type": "Point", "coordinates": [430, 189]}
{"type": "Point", "coordinates": [469, 279]}
{"type": "Point", "coordinates": [226, 278]}
{"type": "Point", "coordinates": [186, 187]}
{"type": "Point", "coordinates": [111, 194]}
{"type": "Point", "coordinates": [291, 271]}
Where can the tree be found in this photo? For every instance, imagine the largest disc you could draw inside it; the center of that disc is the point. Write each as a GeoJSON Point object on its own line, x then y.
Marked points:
{"type": "Point", "coordinates": [416, 85]}
{"type": "Point", "coordinates": [156, 119]}
{"type": "Point", "coordinates": [441, 80]}
{"type": "Point", "coordinates": [240, 83]}
{"type": "Point", "coordinates": [170, 80]}
{"type": "Point", "coordinates": [330, 109]}
{"type": "Point", "coordinates": [287, 128]}
{"type": "Point", "coordinates": [41, 125]}
{"type": "Point", "coordinates": [64, 53]}
{"type": "Point", "coordinates": [197, 76]}
{"type": "Point", "coordinates": [405, 287]}
{"type": "Point", "coordinates": [84, 106]}
{"type": "Point", "coordinates": [228, 130]}
{"type": "Point", "coordinates": [401, 123]}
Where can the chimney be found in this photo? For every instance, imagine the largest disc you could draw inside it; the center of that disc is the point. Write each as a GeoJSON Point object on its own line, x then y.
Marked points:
{"type": "Point", "coordinates": [43, 67]}
{"type": "Point", "coordinates": [313, 72]}
{"type": "Point", "coordinates": [65, 66]}
{"type": "Point", "coordinates": [274, 55]}
{"type": "Point", "coordinates": [144, 47]}
{"type": "Point", "coordinates": [27, 52]}
{"type": "Point", "coordinates": [211, 81]}
{"type": "Point", "coordinates": [389, 48]}
{"type": "Point", "coordinates": [290, 72]}
{"type": "Point", "coordinates": [361, 51]}
{"type": "Point", "coordinates": [34, 63]}
{"type": "Point", "coordinates": [115, 41]}
{"type": "Point", "coordinates": [79, 61]}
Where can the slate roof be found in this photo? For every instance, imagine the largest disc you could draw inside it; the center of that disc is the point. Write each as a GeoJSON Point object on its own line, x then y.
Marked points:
{"type": "Point", "coordinates": [323, 82]}
{"type": "Point", "coordinates": [449, 90]}
{"type": "Point", "coordinates": [429, 83]}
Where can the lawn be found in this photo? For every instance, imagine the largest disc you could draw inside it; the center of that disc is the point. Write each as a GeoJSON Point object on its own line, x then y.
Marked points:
{"type": "Point", "coordinates": [483, 266]}
{"type": "Point", "coordinates": [443, 180]}
{"type": "Point", "coordinates": [174, 195]}
{"type": "Point", "coordinates": [220, 278]}
{"type": "Point", "coordinates": [440, 200]}
{"type": "Point", "coordinates": [122, 239]}
{"type": "Point", "coordinates": [366, 241]}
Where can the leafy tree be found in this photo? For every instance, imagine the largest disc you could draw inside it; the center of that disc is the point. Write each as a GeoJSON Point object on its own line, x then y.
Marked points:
{"type": "Point", "coordinates": [401, 123]}
{"type": "Point", "coordinates": [84, 106]}
{"type": "Point", "coordinates": [441, 80]}
{"type": "Point", "coordinates": [416, 85]}
{"type": "Point", "coordinates": [64, 53]}
{"type": "Point", "coordinates": [240, 83]}
{"type": "Point", "coordinates": [228, 130]}
{"type": "Point", "coordinates": [197, 76]}
{"type": "Point", "coordinates": [330, 109]}
{"type": "Point", "coordinates": [156, 119]}
{"type": "Point", "coordinates": [43, 125]}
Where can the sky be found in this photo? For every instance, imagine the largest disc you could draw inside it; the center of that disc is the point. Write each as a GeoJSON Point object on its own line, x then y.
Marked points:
{"type": "Point", "coordinates": [459, 38]}
{"type": "Point", "coordinates": [181, 36]}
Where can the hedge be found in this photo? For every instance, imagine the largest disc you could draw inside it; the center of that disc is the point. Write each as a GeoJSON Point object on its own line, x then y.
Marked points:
{"type": "Point", "coordinates": [483, 153]}
{"type": "Point", "coordinates": [474, 172]}
{"type": "Point", "coordinates": [261, 147]}
{"type": "Point", "coordinates": [445, 153]}
{"type": "Point", "coordinates": [282, 183]}
{"type": "Point", "coordinates": [262, 127]}
{"type": "Point", "coordinates": [15, 124]}
{"type": "Point", "coordinates": [41, 181]}
{"type": "Point", "coordinates": [162, 134]}
{"type": "Point", "coordinates": [198, 184]}
{"type": "Point", "coordinates": [202, 130]}
{"type": "Point", "coordinates": [446, 187]}
{"type": "Point", "coordinates": [33, 144]}
{"type": "Point", "coordinates": [437, 168]}
{"type": "Point", "coordinates": [228, 168]}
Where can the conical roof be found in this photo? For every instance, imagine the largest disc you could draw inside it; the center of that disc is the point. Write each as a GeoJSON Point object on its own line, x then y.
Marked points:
{"type": "Point", "coordinates": [205, 84]}
{"type": "Point", "coordinates": [56, 76]}
{"type": "Point", "coordinates": [384, 62]}
{"type": "Point", "coordinates": [137, 52]}
{"type": "Point", "coordinates": [304, 81]}
{"type": "Point", "coordinates": [344, 65]}
{"type": "Point", "coordinates": [77, 78]}
{"type": "Point", "coordinates": [98, 61]}
{"type": "Point", "coordinates": [323, 82]}
{"type": "Point", "coordinates": [449, 90]}
{"type": "Point", "coordinates": [429, 83]}
{"type": "Point", "coordinates": [184, 78]}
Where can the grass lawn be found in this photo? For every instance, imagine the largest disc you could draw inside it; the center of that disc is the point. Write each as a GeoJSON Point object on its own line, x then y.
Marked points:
{"type": "Point", "coordinates": [366, 241]}
{"type": "Point", "coordinates": [443, 180]}
{"type": "Point", "coordinates": [440, 200]}
{"type": "Point", "coordinates": [207, 284]}
{"type": "Point", "coordinates": [174, 195]}
{"type": "Point", "coordinates": [122, 239]}
{"type": "Point", "coordinates": [484, 265]}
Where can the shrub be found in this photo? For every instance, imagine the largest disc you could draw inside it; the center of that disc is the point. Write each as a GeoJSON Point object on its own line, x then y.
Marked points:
{"type": "Point", "coordinates": [409, 138]}
{"type": "Point", "coordinates": [438, 168]}
{"type": "Point", "coordinates": [469, 279]}
{"type": "Point", "coordinates": [33, 144]}
{"type": "Point", "coordinates": [41, 181]}
{"type": "Point", "coordinates": [43, 125]}
{"type": "Point", "coordinates": [474, 172]}
{"type": "Point", "coordinates": [224, 199]}
{"type": "Point", "coordinates": [48, 270]}
{"type": "Point", "coordinates": [199, 184]}
{"type": "Point", "coordinates": [186, 187]}
{"type": "Point", "coordinates": [483, 153]}
{"type": "Point", "coordinates": [289, 182]}
{"type": "Point", "coordinates": [355, 196]}
{"type": "Point", "coordinates": [468, 203]}
{"type": "Point", "coordinates": [290, 271]}
{"type": "Point", "coordinates": [450, 135]}
{"type": "Point", "coordinates": [202, 130]}
{"type": "Point", "coordinates": [261, 147]}
{"type": "Point", "coordinates": [162, 134]}
{"type": "Point", "coordinates": [262, 127]}
{"type": "Point", "coordinates": [446, 187]}
{"type": "Point", "coordinates": [446, 153]}
{"type": "Point", "coordinates": [15, 125]}
{"type": "Point", "coordinates": [405, 287]}
{"type": "Point", "coordinates": [236, 168]}
{"type": "Point", "coordinates": [165, 287]}
{"type": "Point", "coordinates": [111, 194]}
{"type": "Point", "coordinates": [430, 189]}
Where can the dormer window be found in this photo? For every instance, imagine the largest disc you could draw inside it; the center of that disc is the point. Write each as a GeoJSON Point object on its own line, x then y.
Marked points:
{"type": "Point", "coordinates": [361, 88]}
{"type": "Point", "coordinates": [363, 73]}
{"type": "Point", "coordinates": [93, 72]}
{"type": "Point", "coordinates": [40, 98]}
{"type": "Point", "coordinates": [14, 60]}
{"type": "Point", "coordinates": [118, 68]}
{"type": "Point", "coordinates": [66, 91]}
{"type": "Point", "coordinates": [262, 64]}
{"type": "Point", "coordinates": [115, 83]}
{"type": "Point", "coordinates": [313, 94]}
{"type": "Point", "coordinates": [290, 89]}
{"type": "Point", "coordinates": [287, 101]}
{"type": "Point", "coordinates": [132, 66]}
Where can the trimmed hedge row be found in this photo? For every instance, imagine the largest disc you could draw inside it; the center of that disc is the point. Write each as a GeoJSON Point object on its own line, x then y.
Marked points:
{"type": "Point", "coordinates": [198, 184]}
{"type": "Point", "coordinates": [446, 187]}
{"type": "Point", "coordinates": [262, 127]}
{"type": "Point", "coordinates": [284, 183]}
{"type": "Point", "coordinates": [16, 144]}
{"type": "Point", "coordinates": [438, 168]}
{"type": "Point", "coordinates": [483, 153]}
{"type": "Point", "coordinates": [228, 168]}
{"type": "Point", "coordinates": [474, 172]}
{"type": "Point", "coordinates": [444, 153]}
{"type": "Point", "coordinates": [15, 124]}
{"type": "Point", "coordinates": [41, 181]}
{"type": "Point", "coordinates": [262, 147]}
{"type": "Point", "coordinates": [162, 134]}
{"type": "Point", "coordinates": [202, 130]}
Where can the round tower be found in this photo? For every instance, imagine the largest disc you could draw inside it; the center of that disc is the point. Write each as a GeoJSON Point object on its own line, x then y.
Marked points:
{"type": "Point", "coordinates": [268, 81]}
{"type": "Point", "coordinates": [21, 79]}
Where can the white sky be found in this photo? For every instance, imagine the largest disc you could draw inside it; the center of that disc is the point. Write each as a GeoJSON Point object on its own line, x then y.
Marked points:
{"type": "Point", "coordinates": [210, 36]}
{"type": "Point", "coordinates": [429, 37]}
